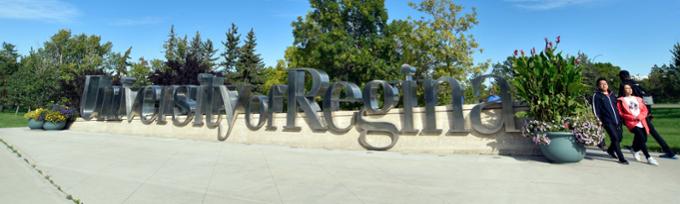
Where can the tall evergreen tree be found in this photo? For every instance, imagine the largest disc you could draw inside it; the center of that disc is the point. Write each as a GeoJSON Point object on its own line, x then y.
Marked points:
{"type": "Point", "coordinates": [196, 47]}
{"type": "Point", "coordinates": [673, 73]}
{"type": "Point", "coordinates": [182, 50]}
{"type": "Point", "coordinates": [675, 62]}
{"type": "Point", "coordinates": [231, 49]}
{"type": "Point", "coordinates": [9, 64]}
{"type": "Point", "coordinates": [170, 45]}
{"type": "Point", "coordinates": [209, 52]}
{"type": "Point", "coordinates": [249, 66]}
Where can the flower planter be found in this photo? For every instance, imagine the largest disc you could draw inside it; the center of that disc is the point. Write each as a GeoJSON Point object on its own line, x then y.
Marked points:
{"type": "Point", "coordinates": [35, 124]}
{"type": "Point", "coordinates": [54, 125]}
{"type": "Point", "coordinates": [563, 148]}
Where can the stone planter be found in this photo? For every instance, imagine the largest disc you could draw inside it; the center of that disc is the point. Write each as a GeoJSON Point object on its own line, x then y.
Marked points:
{"type": "Point", "coordinates": [35, 124]}
{"type": "Point", "coordinates": [54, 125]}
{"type": "Point", "coordinates": [563, 148]}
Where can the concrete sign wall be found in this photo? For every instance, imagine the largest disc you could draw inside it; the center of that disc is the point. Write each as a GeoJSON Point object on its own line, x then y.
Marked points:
{"type": "Point", "coordinates": [215, 111]}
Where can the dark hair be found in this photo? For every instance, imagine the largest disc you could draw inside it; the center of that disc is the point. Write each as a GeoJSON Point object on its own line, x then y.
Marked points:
{"type": "Point", "coordinates": [622, 92]}
{"type": "Point", "coordinates": [597, 83]}
{"type": "Point", "coordinates": [623, 74]}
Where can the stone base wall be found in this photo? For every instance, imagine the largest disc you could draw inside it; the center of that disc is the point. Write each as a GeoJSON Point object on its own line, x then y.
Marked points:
{"type": "Point", "coordinates": [466, 143]}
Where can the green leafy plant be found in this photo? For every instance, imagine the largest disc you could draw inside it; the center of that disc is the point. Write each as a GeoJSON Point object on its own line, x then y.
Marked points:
{"type": "Point", "coordinates": [551, 85]}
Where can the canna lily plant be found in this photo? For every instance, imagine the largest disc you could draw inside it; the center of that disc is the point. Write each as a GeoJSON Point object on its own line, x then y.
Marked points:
{"type": "Point", "coordinates": [550, 84]}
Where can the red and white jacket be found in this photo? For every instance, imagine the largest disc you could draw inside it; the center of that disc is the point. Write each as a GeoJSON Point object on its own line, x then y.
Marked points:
{"type": "Point", "coordinates": [628, 119]}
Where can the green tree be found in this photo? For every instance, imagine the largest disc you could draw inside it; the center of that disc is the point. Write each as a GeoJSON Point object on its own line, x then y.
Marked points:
{"type": "Point", "coordinates": [593, 70]}
{"type": "Point", "coordinates": [140, 70]}
{"type": "Point", "coordinates": [73, 57]}
{"type": "Point", "coordinates": [157, 64]}
{"type": "Point", "coordinates": [208, 54]}
{"type": "Point", "coordinates": [348, 39]}
{"type": "Point", "coordinates": [275, 75]}
{"type": "Point", "coordinates": [439, 43]}
{"type": "Point", "coordinates": [196, 47]}
{"type": "Point", "coordinates": [184, 60]}
{"type": "Point", "coordinates": [36, 82]}
{"type": "Point", "coordinates": [170, 45]}
{"type": "Point", "coordinates": [675, 62]}
{"type": "Point", "coordinates": [118, 64]}
{"type": "Point", "coordinates": [673, 74]}
{"type": "Point", "coordinates": [182, 51]}
{"type": "Point", "coordinates": [231, 50]}
{"type": "Point", "coordinates": [662, 84]}
{"type": "Point", "coordinates": [9, 64]}
{"type": "Point", "coordinates": [503, 69]}
{"type": "Point", "coordinates": [249, 68]}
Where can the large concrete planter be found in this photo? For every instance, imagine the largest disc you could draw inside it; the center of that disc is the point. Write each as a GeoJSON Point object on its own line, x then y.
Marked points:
{"type": "Point", "coordinates": [54, 126]}
{"type": "Point", "coordinates": [35, 124]}
{"type": "Point", "coordinates": [563, 148]}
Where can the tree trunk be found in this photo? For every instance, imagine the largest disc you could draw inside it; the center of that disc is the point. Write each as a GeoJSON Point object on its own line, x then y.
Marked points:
{"type": "Point", "coordinates": [17, 111]}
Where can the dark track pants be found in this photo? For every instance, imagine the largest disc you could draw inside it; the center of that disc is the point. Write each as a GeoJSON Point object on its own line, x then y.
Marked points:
{"type": "Point", "coordinates": [658, 138]}
{"type": "Point", "coordinates": [615, 135]}
{"type": "Point", "coordinates": [640, 140]}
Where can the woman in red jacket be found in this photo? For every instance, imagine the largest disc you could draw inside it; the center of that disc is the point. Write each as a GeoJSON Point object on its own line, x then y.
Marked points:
{"type": "Point", "coordinates": [634, 113]}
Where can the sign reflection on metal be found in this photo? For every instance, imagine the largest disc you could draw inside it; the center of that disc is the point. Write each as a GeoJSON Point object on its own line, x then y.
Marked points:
{"type": "Point", "coordinates": [211, 102]}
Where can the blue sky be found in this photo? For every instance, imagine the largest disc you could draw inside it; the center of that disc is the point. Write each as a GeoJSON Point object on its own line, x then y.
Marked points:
{"type": "Point", "coordinates": [632, 34]}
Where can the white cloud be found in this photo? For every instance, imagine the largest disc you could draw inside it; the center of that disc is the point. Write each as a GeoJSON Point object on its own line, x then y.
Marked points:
{"type": "Point", "coordinates": [42, 10]}
{"type": "Point", "coordinates": [546, 4]}
{"type": "Point", "coordinates": [137, 22]}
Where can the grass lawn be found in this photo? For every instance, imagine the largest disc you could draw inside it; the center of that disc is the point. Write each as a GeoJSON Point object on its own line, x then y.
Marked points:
{"type": "Point", "coordinates": [11, 120]}
{"type": "Point", "coordinates": [667, 123]}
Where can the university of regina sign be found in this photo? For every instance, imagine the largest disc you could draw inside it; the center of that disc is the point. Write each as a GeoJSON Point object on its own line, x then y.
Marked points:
{"type": "Point", "coordinates": [211, 102]}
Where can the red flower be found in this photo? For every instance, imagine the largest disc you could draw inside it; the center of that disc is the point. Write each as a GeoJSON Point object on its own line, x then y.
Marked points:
{"type": "Point", "coordinates": [515, 52]}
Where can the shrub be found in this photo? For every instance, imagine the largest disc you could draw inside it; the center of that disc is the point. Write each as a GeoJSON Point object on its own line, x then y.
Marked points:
{"type": "Point", "coordinates": [551, 85]}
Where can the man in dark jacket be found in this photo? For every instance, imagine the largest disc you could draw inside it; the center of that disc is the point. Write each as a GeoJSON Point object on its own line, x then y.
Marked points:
{"type": "Point", "coordinates": [604, 106]}
{"type": "Point", "coordinates": [640, 92]}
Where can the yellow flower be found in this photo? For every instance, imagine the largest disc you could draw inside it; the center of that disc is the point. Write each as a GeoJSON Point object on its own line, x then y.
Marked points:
{"type": "Point", "coordinates": [54, 116]}
{"type": "Point", "coordinates": [35, 114]}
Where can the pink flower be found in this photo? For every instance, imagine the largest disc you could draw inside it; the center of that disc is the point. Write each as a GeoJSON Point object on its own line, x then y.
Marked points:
{"type": "Point", "coordinates": [558, 39]}
{"type": "Point", "coordinates": [515, 52]}
{"type": "Point", "coordinates": [522, 51]}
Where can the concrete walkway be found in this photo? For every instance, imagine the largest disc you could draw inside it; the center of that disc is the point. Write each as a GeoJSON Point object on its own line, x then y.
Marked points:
{"type": "Point", "coordinates": [19, 183]}
{"type": "Point", "coordinates": [106, 168]}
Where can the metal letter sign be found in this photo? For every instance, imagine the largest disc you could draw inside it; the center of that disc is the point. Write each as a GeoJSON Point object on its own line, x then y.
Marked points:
{"type": "Point", "coordinates": [207, 103]}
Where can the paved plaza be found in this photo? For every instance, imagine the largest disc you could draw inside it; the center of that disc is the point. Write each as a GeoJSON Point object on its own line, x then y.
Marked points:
{"type": "Point", "coordinates": [110, 168]}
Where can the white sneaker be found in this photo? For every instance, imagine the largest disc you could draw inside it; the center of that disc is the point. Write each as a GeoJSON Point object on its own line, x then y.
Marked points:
{"type": "Point", "coordinates": [652, 161]}
{"type": "Point", "coordinates": [636, 155]}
